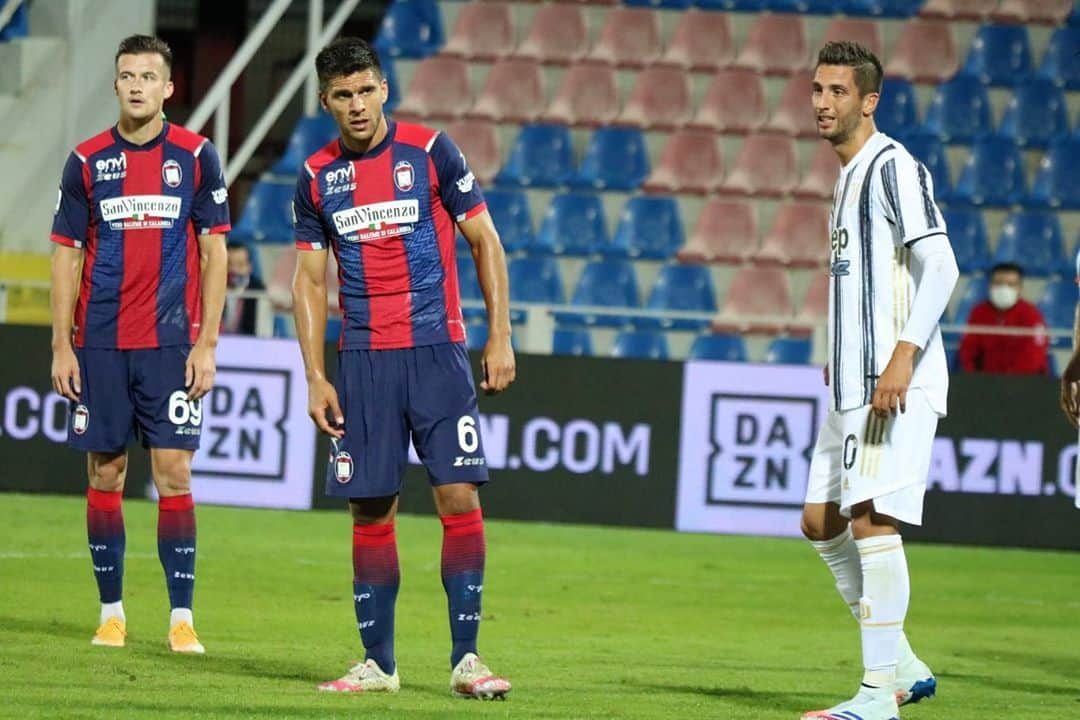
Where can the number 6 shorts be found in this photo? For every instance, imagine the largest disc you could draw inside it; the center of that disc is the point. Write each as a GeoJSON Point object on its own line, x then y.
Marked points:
{"type": "Point", "coordinates": [860, 457]}
{"type": "Point", "coordinates": [389, 396]}
{"type": "Point", "coordinates": [133, 393]}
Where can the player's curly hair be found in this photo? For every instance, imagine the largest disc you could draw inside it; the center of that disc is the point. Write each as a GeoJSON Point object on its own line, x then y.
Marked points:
{"type": "Point", "coordinates": [139, 44]}
{"type": "Point", "coordinates": [865, 64]}
{"type": "Point", "coordinates": [345, 56]}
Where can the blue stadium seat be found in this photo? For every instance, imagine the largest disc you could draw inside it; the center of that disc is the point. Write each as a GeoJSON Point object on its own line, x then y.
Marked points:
{"type": "Point", "coordinates": [929, 150]}
{"type": "Point", "coordinates": [574, 224]}
{"type": "Point", "coordinates": [476, 335]}
{"type": "Point", "coordinates": [1000, 55]}
{"type": "Point", "coordinates": [615, 159]}
{"type": "Point", "coordinates": [1057, 185]}
{"type": "Point", "coordinates": [974, 293]}
{"type": "Point", "coordinates": [1033, 241]}
{"type": "Point", "coordinates": [571, 341]}
{"type": "Point", "coordinates": [410, 29]}
{"type": "Point", "coordinates": [732, 5]}
{"type": "Point", "coordinates": [267, 214]}
{"type": "Point", "coordinates": [649, 227]}
{"type": "Point", "coordinates": [333, 329]}
{"type": "Point", "coordinates": [992, 176]}
{"type": "Point", "coordinates": [789, 351]}
{"type": "Point", "coordinates": [535, 280]}
{"type": "Point", "coordinates": [1059, 63]}
{"type": "Point", "coordinates": [18, 26]}
{"type": "Point", "coordinates": [718, 346]}
{"type": "Point", "coordinates": [810, 7]}
{"type": "Point", "coordinates": [661, 4]}
{"type": "Point", "coordinates": [604, 283]}
{"type": "Point", "coordinates": [468, 284]}
{"type": "Point", "coordinates": [310, 134]}
{"type": "Point", "coordinates": [393, 94]}
{"type": "Point", "coordinates": [640, 344]}
{"type": "Point", "coordinates": [509, 211]}
{"type": "Point", "coordinates": [1058, 306]}
{"type": "Point", "coordinates": [1036, 114]}
{"type": "Point", "coordinates": [896, 112]}
{"type": "Point", "coordinates": [960, 111]}
{"type": "Point", "coordinates": [967, 233]}
{"type": "Point", "coordinates": [881, 8]}
{"type": "Point", "coordinates": [680, 288]}
{"type": "Point", "coordinates": [542, 156]}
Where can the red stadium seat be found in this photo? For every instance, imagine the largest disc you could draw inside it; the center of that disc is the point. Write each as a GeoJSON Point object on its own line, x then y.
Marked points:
{"type": "Point", "coordinates": [279, 287]}
{"type": "Point", "coordinates": [479, 142]}
{"type": "Point", "coordinates": [924, 52]}
{"type": "Point", "coordinates": [798, 238]}
{"type": "Point", "coordinates": [766, 166]}
{"type": "Point", "coordinates": [439, 90]}
{"type": "Point", "coordinates": [758, 301]}
{"type": "Point", "coordinates": [958, 9]}
{"type": "Point", "coordinates": [795, 112]}
{"type": "Point", "coordinates": [718, 113]}
{"type": "Point", "coordinates": [726, 232]}
{"type": "Point", "coordinates": [514, 92]}
{"type": "Point", "coordinates": [691, 161]}
{"type": "Point", "coordinates": [815, 306]}
{"type": "Point", "coordinates": [483, 31]}
{"type": "Point", "coordinates": [558, 35]}
{"type": "Point", "coordinates": [820, 179]}
{"type": "Point", "coordinates": [702, 42]}
{"type": "Point", "coordinates": [1045, 12]}
{"type": "Point", "coordinates": [630, 38]}
{"type": "Point", "coordinates": [660, 100]}
{"type": "Point", "coordinates": [775, 45]}
{"type": "Point", "coordinates": [864, 32]}
{"type": "Point", "coordinates": [587, 95]}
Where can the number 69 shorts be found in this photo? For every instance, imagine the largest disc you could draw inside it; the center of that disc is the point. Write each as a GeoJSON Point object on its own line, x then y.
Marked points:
{"type": "Point", "coordinates": [388, 396]}
{"type": "Point", "coordinates": [860, 457]}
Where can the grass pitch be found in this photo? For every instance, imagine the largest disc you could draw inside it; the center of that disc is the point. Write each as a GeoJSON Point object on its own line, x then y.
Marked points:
{"type": "Point", "coordinates": [587, 623]}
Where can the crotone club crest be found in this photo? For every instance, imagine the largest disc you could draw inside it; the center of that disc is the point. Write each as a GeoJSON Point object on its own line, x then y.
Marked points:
{"type": "Point", "coordinates": [404, 176]}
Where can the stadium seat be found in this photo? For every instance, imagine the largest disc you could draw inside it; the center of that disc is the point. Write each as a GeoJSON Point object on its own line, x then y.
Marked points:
{"type": "Point", "coordinates": [615, 159]}
{"type": "Point", "coordinates": [797, 237]}
{"type": "Point", "coordinates": [641, 345]}
{"type": "Point", "coordinates": [815, 305]}
{"type": "Point", "coordinates": [1036, 113]}
{"type": "Point", "coordinates": [1058, 306]}
{"type": "Point", "coordinates": [660, 4]}
{"type": "Point", "coordinates": [967, 234]}
{"type": "Point", "coordinates": [267, 214]}
{"type": "Point", "coordinates": [535, 280]}
{"type": "Point", "coordinates": [897, 110]}
{"type": "Point", "coordinates": [928, 150]}
{"type": "Point", "coordinates": [571, 341]}
{"type": "Point", "coordinates": [310, 134]}
{"type": "Point", "coordinates": [793, 115]}
{"type": "Point", "coordinates": [820, 178]}
{"type": "Point", "coordinates": [468, 283]}
{"type": "Point", "coordinates": [558, 35]}
{"type": "Point", "coordinates": [960, 111]}
{"type": "Point", "coordinates": [574, 224]}
{"type": "Point", "coordinates": [479, 142]}
{"type": "Point", "coordinates": [483, 31]}
{"type": "Point", "coordinates": [542, 156]}
{"type": "Point", "coordinates": [607, 284]}
{"type": "Point", "coordinates": [864, 32]}
{"type": "Point", "coordinates": [789, 351]}
{"type": "Point", "coordinates": [992, 175]}
{"type": "Point", "coordinates": [1057, 184]}
{"type": "Point", "coordinates": [701, 42]}
{"type": "Point", "coordinates": [649, 227]}
{"type": "Point", "coordinates": [924, 52]}
{"type": "Point", "coordinates": [1033, 241]}
{"type": "Point", "coordinates": [680, 288]}
{"type": "Point", "coordinates": [758, 300]}
{"type": "Point", "coordinates": [659, 100]}
{"type": "Point", "coordinates": [726, 232]}
{"type": "Point", "coordinates": [1044, 12]}
{"type": "Point", "coordinates": [958, 9]}
{"type": "Point", "coordinates": [1059, 63]}
{"type": "Point", "coordinates": [775, 45]}
{"type": "Point", "coordinates": [476, 336]}
{"type": "Point", "coordinates": [976, 291]}
{"type": "Point", "coordinates": [766, 165]}
{"type": "Point", "coordinates": [690, 162]}
{"type": "Point", "coordinates": [723, 347]}
{"type": "Point", "coordinates": [513, 92]}
{"type": "Point", "coordinates": [439, 90]}
{"type": "Point", "coordinates": [1000, 55]}
{"type": "Point", "coordinates": [629, 39]}
{"type": "Point", "coordinates": [718, 113]}
{"type": "Point", "coordinates": [509, 211]}
{"type": "Point", "coordinates": [410, 29]}
{"type": "Point", "coordinates": [587, 95]}
{"type": "Point", "coordinates": [880, 8]}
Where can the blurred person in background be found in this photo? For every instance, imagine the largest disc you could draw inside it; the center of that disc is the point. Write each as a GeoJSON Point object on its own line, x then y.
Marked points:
{"type": "Point", "coordinates": [240, 313]}
{"type": "Point", "coordinates": [1006, 354]}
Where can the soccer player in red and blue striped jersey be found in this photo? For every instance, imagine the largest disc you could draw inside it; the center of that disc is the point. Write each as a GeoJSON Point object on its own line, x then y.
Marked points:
{"type": "Point", "coordinates": [386, 197]}
{"type": "Point", "coordinates": [143, 212]}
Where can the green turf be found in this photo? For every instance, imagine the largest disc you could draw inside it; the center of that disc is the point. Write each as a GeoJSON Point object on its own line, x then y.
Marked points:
{"type": "Point", "coordinates": [587, 622]}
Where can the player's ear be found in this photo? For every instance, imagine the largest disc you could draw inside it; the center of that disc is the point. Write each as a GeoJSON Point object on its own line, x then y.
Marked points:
{"type": "Point", "coordinates": [322, 102]}
{"type": "Point", "coordinates": [384, 88]}
{"type": "Point", "coordinates": [169, 88]}
{"type": "Point", "coordinates": [869, 103]}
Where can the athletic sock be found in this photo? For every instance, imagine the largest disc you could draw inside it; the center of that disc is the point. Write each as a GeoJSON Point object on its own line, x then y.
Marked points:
{"type": "Point", "coordinates": [841, 555]}
{"type": "Point", "coordinates": [105, 534]}
{"type": "Point", "coordinates": [376, 578]}
{"type": "Point", "coordinates": [176, 547]}
{"type": "Point", "coordinates": [886, 592]}
{"type": "Point", "coordinates": [463, 553]}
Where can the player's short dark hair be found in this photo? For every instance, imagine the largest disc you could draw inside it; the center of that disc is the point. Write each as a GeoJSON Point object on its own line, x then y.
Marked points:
{"type": "Point", "coordinates": [867, 67]}
{"type": "Point", "coordinates": [1007, 267]}
{"type": "Point", "coordinates": [345, 56]}
{"type": "Point", "coordinates": [139, 44]}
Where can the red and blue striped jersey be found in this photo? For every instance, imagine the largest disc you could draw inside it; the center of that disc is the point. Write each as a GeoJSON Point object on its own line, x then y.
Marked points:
{"type": "Point", "coordinates": [389, 214]}
{"type": "Point", "coordinates": [138, 210]}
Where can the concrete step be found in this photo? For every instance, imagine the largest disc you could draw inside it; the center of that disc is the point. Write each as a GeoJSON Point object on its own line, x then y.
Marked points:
{"type": "Point", "coordinates": [27, 60]}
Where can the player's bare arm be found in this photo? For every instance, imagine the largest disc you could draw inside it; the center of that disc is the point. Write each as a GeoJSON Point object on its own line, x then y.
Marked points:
{"type": "Point", "coordinates": [66, 268]}
{"type": "Point", "coordinates": [200, 368]}
{"type": "Point", "coordinates": [1070, 379]}
{"type": "Point", "coordinates": [487, 251]}
{"type": "Point", "coordinates": [309, 312]}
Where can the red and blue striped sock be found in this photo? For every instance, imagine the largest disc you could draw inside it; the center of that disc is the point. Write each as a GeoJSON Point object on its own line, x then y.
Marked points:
{"type": "Point", "coordinates": [376, 578]}
{"type": "Point", "coordinates": [176, 547]}
{"type": "Point", "coordinates": [105, 533]}
{"type": "Point", "coordinates": [463, 554]}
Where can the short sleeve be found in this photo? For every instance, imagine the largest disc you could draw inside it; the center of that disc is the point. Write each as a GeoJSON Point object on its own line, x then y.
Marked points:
{"type": "Point", "coordinates": [71, 218]}
{"type": "Point", "coordinates": [307, 226]}
{"type": "Point", "coordinates": [458, 189]}
{"type": "Point", "coordinates": [909, 199]}
{"type": "Point", "coordinates": [210, 208]}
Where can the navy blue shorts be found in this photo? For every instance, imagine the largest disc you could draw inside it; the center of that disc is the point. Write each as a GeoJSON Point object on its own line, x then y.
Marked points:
{"type": "Point", "coordinates": [133, 393]}
{"type": "Point", "coordinates": [388, 396]}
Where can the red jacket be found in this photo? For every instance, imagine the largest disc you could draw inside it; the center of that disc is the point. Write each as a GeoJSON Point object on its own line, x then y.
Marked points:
{"type": "Point", "coordinates": [1006, 354]}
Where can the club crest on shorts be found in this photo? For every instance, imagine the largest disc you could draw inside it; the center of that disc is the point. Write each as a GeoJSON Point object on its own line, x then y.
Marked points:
{"type": "Point", "coordinates": [404, 176]}
{"type": "Point", "coordinates": [343, 467]}
{"type": "Point", "coordinates": [80, 419]}
{"type": "Point", "coordinates": [171, 173]}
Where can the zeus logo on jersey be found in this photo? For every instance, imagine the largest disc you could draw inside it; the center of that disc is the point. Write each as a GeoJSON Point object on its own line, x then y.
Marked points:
{"type": "Point", "coordinates": [137, 212]}
{"type": "Point", "coordinates": [113, 168]}
{"type": "Point", "coordinates": [377, 221]}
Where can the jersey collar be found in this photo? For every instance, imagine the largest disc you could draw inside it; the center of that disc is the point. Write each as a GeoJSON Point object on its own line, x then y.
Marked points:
{"type": "Point", "coordinates": [119, 139]}
{"type": "Point", "coordinates": [869, 148]}
{"type": "Point", "coordinates": [391, 129]}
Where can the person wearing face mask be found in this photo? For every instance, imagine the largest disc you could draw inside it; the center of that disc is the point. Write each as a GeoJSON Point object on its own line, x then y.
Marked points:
{"type": "Point", "coordinates": [1006, 354]}
{"type": "Point", "coordinates": [239, 315]}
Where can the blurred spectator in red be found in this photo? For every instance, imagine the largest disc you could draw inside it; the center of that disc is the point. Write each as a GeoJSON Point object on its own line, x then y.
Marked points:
{"type": "Point", "coordinates": [1006, 354]}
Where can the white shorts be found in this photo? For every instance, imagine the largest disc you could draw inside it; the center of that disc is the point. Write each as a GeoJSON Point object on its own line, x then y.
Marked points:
{"type": "Point", "coordinates": [860, 457]}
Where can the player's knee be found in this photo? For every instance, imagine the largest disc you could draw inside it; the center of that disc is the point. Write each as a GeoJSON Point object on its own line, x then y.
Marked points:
{"type": "Point", "coordinates": [107, 473]}
{"type": "Point", "coordinates": [456, 498]}
{"type": "Point", "coordinates": [373, 511]}
{"type": "Point", "coordinates": [173, 475]}
{"type": "Point", "coordinates": [813, 528]}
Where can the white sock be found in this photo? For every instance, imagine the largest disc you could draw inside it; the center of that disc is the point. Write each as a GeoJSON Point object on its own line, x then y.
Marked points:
{"type": "Point", "coordinates": [886, 591]}
{"type": "Point", "coordinates": [841, 555]}
{"type": "Point", "coordinates": [109, 610]}
{"type": "Point", "coordinates": [180, 615]}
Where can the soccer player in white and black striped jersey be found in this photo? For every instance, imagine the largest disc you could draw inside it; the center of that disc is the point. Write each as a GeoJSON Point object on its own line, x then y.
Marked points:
{"type": "Point", "coordinates": [891, 275]}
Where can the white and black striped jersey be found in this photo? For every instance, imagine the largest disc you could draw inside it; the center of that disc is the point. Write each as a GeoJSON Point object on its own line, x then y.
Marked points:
{"type": "Point", "coordinates": [883, 204]}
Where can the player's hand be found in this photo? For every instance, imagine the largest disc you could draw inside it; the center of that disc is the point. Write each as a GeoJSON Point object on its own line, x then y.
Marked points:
{"type": "Point", "coordinates": [892, 386]}
{"type": "Point", "coordinates": [199, 371]}
{"type": "Point", "coordinates": [1070, 389]}
{"type": "Point", "coordinates": [499, 366]}
{"type": "Point", "coordinates": [65, 373]}
{"type": "Point", "coordinates": [322, 397]}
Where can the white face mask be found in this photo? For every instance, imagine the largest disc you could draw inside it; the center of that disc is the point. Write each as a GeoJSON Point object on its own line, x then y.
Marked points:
{"type": "Point", "coordinates": [1003, 297]}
